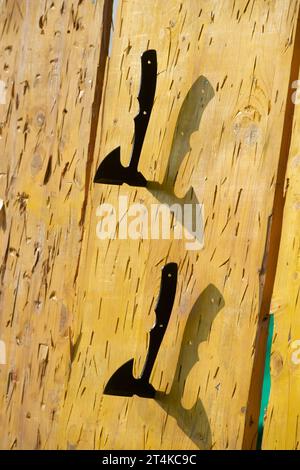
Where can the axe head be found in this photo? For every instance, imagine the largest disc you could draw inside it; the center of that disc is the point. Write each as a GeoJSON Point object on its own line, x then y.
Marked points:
{"type": "Point", "coordinates": [124, 384]}
{"type": "Point", "coordinates": [111, 171]}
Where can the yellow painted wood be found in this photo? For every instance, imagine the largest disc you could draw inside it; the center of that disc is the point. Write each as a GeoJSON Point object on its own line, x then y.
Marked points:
{"type": "Point", "coordinates": [282, 419]}
{"type": "Point", "coordinates": [75, 308]}
{"type": "Point", "coordinates": [49, 54]}
{"type": "Point", "coordinates": [243, 49]}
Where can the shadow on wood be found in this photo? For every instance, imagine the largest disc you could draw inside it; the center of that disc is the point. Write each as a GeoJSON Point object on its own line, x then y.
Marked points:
{"type": "Point", "coordinates": [188, 122]}
{"type": "Point", "coordinates": [194, 422]}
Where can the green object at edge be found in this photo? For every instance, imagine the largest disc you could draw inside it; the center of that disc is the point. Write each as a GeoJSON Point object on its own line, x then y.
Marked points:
{"type": "Point", "coordinates": [266, 384]}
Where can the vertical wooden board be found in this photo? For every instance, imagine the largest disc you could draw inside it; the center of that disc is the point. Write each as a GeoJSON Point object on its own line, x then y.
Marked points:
{"type": "Point", "coordinates": [243, 50]}
{"type": "Point", "coordinates": [282, 419]}
{"type": "Point", "coordinates": [49, 57]}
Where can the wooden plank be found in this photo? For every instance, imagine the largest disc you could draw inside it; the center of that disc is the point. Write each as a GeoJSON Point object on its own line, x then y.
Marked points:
{"type": "Point", "coordinates": [282, 419]}
{"type": "Point", "coordinates": [243, 50]}
{"type": "Point", "coordinates": [268, 271]}
{"type": "Point", "coordinates": [50, 54]}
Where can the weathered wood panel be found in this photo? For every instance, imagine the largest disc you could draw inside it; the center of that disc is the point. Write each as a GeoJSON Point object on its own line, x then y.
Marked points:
{"type": "Point", "coordinates": [282, 420]}
{"type": "Point", "coordinates": [49, 54]}
{"type": "Point", "coordinates": [243, 49]}
{"type": "Point", "coordinates": [268, 271]}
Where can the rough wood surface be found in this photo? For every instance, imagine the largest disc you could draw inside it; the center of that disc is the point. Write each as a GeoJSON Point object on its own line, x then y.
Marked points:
{"type": "Point", "coordinates": [244, 50]}
{"type": "Point", "coordinates": [268, 271]}
{"type": "Point", "coordinates": [75, 308]}
{"type": "Point", "coordinates": [282, 421]}
{"type": "Point", "coordinates": [49, 57]}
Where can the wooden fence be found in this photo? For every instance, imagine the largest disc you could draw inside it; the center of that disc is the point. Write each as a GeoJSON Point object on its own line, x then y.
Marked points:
{"type": "Point", "coordinates": [73, 307]}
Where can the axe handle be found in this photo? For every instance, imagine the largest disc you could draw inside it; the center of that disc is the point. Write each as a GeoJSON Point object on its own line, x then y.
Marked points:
{"type": "Point", "coordinates": [146, 100]}
{"type": "Point", "coordinates": [163, 312]}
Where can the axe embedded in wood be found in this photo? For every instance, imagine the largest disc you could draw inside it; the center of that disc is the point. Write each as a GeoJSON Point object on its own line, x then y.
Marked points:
{"type": "Point", "coordinates": [111, 170]}
{"type": "Point", "coordinates": [123, 382]}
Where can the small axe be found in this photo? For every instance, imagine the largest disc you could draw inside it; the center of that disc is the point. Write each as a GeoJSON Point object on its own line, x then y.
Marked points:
{"type": "Point", "coordinates": [111, 170]}
{"type": "Point", "coordinates": [123, 383]}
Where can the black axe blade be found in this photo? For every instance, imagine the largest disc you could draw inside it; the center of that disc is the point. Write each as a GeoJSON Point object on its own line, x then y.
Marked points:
{"type": "Point", "coordinates": [123, 383]}
{"type": "Point", "coordinates": [111, 170]}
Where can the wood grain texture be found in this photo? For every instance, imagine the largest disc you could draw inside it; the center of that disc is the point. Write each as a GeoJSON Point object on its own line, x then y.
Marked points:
{"type": "Point", "coordinates": [244, 50]}
{"type": "Point", "coordinates": [49, 60]}
{"type": "Point", "coordinates": [75, 308]}
{"type": "Point", "coordinates": [282, 419]}
{"type": "Point", "coordinates": [268, 271]}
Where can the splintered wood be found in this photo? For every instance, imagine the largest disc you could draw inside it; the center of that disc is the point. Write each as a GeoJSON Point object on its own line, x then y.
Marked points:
{"type": "Point", "coordinates": [74, 308]}
{"type": "Point", "coordinates": [49, 56]}
{"type": "Point", "coordinates": [282, 429]}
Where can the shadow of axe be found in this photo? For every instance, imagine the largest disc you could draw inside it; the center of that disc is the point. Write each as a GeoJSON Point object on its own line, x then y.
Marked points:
{"type": "Point", "coordinates": [188, 122]}
{"type": "Point", "coordinates": [194, 421]}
